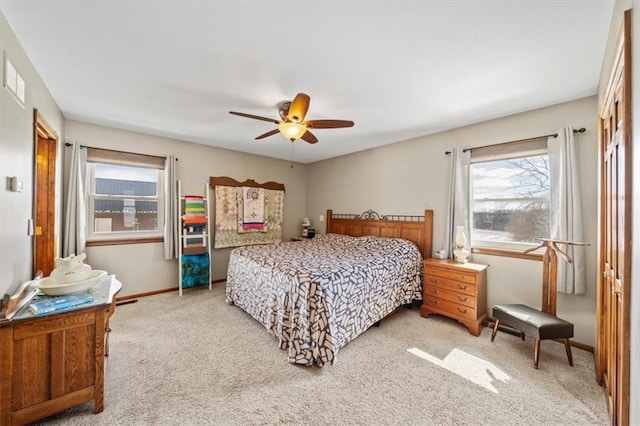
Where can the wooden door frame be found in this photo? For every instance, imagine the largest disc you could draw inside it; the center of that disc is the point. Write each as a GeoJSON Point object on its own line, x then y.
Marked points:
{"type": "Point", "coordinates": [42, 129]}
{"type": "Point", "coordinates": [622, 59]}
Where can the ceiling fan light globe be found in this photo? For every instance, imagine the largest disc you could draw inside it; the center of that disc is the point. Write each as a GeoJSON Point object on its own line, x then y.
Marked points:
{"type": "Point", "coordinates": [292, 131]}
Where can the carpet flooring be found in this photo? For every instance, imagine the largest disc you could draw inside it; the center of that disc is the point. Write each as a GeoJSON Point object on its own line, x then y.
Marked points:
{"type": "Point", "coordinates": [195, 360]}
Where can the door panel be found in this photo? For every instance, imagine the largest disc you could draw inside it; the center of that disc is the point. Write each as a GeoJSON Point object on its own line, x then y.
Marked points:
{"type": "Point", "coordinates": [614, 274]}
{"type": "Point", "coordinates": [44, 243]}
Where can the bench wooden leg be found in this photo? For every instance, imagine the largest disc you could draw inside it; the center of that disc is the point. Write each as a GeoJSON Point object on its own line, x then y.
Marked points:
{"type": "Point", "coordinates": [568, 348]}
{"type": "Point", "coordinates": [536, 354]}
{"type": "Point", "coordinates": [495, 330]}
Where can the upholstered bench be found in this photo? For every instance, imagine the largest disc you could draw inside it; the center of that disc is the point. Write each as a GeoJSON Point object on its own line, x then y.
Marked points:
{"type": "Point", "coordinates": [533, 323]}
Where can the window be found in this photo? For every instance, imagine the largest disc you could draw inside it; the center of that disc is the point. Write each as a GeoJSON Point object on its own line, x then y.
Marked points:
{"type": "Point", "coordinates": [125, 195]}
{"type": "Point", "coordinates": [510, 194]}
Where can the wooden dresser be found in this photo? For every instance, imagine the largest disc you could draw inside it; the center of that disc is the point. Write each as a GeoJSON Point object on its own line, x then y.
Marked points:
{"type": "Point", "coordinates": [52, 362]}
{"type": "Point", "coordinates": [456, 290]}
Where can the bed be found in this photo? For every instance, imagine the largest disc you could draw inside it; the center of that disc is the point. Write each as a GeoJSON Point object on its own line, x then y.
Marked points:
{"type": "Point", "coordinates": [317, 295]}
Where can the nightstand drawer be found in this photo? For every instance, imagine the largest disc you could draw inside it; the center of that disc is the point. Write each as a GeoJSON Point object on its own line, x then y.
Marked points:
{"type": "Point", "coordinates": [453, 275]}
{"type": "Point", "coordinates": [452, 296]}
{"type": "Point", "coordinates": [451, 308]}
{"type": "Point", "coordinates": [449, 284]}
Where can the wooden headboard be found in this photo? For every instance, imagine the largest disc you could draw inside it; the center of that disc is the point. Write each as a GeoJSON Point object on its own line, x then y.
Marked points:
{"type": "Point", "coordinates": [417, 229]}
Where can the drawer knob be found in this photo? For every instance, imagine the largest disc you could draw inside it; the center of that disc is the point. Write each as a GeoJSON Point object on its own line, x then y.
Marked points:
{"type": "Point", "coordinates": [462, 311]}
{"type": "Point", "coordinates": [433, 280]}
{"type": "Point", "coordinates": [462, 287]}
{"type": "Point", "coordinates": [433, 291]}
{"type": "Point", "coordinates": [463, 299]}
{"type": "Point", "coordinates": [434, 302]}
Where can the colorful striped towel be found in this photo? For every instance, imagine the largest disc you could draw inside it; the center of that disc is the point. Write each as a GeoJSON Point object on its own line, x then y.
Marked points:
{"type": "Point", "coordinates": [194, 212]}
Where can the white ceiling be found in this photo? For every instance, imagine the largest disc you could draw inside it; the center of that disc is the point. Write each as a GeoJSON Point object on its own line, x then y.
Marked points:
{"type": "Point", "coordinates": [399, 69]}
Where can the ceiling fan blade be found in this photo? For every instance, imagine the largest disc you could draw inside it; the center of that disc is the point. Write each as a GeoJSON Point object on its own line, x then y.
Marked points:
{"type": "Point", "coordinates": [266, 135]}
{"type": "Point", "coordinates": [255, 117]}
{"type": "Point", "coordinates": [309, 137]}
{"type": "Point", "coordinates": [299, 108]}
{"type": "Point", "coordinates": [328, 124]}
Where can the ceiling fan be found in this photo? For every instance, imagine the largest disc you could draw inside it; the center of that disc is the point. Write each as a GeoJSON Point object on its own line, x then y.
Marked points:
{"type": "Point", "coordinates": [292, 124]}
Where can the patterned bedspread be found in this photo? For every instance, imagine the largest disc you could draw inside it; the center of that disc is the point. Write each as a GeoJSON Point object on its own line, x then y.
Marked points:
{"type": "Point", "coordinates": [315, 296]}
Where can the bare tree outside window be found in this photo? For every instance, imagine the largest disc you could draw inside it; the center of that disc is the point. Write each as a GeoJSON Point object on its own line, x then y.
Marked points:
{"type": "Point", "coordinates": [510, 199]}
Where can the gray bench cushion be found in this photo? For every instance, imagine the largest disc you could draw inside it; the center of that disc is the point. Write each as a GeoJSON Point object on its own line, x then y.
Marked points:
{"type": "Point", "coordinates": [533, 322]}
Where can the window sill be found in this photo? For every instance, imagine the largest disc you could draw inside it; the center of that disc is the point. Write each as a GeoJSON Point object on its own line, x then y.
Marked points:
{"type": "Point", "coordinates": [124, 241]}
{"type": "Point", "coordinates": [506, 253]}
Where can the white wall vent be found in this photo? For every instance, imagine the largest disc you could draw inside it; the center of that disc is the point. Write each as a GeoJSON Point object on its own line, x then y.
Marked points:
{"type": "Point", "coordinates": [13, 81]}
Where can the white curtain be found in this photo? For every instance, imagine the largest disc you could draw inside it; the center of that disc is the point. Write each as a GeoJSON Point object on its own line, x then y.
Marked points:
{"type": "Point", "coordinates": [170, 209]}
{"type": "Point", "coordinates": [458, 208]}
{"type": "Point", "coordinates": [75, 221]}
{"type": "Point", "coordinates": [566, 210]}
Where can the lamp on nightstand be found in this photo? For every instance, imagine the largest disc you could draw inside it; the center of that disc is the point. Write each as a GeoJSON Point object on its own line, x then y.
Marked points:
{"type": "Point", "coordinates": [306, 223]}
{"type": "Point", "coordinates": [461, 253]}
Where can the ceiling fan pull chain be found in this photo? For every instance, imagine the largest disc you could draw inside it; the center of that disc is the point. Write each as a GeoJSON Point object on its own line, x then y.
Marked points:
{"type": "Point", "coordinates": [293, 148]}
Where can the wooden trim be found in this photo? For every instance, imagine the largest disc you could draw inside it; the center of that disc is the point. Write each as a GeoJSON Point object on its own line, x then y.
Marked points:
{"type": "Point", "coordinates": [228, 181]}
{"type": "Point", "coordinates": [616, 382]}
{"type": "Point", "coordinates": [124, 241]}
{"type": "Point", "coordinates": [625, 337]}
{"type": "Point", "coordinates": [145, 294]}
{"type": "Point", "coordinates": [42, 126]}
{"type": "Point", "coordinates": [6, 343]}
{"type": "Point", "coordinates": [578, 345]}
{"type": "Point", "coordinates": [164, 290]}
{"type": "Point", "coordinates": [507, 253]}
{"type": "Point", "coordinates": [45, 153]}
{"type": "Point", "coordinates": [420, 232]}
{"type": "Point", "coordinates": [599, 358]}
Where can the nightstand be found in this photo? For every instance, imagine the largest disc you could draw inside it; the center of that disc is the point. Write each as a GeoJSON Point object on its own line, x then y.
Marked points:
{"type": "Point", "coordinates": [456, 290]}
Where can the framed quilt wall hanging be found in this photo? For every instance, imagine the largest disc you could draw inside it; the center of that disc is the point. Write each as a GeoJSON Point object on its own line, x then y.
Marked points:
{"type": "Point", "coordinates": [247, 213]}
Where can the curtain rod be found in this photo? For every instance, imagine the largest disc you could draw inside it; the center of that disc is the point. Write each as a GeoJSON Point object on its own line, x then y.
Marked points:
{"type": "Point", "coordinates": [114, 150]}
{"type": "Point", "coordinates": [552, 135]}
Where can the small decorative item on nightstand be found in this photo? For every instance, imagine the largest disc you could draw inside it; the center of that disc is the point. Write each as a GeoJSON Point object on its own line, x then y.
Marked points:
{"type": "Point", "coordinates": [461, 253]}
{"type": "Point", "coordinates": [306, 223]}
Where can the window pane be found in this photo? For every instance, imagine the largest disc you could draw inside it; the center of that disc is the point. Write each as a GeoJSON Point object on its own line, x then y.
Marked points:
{"type": "Point", "coordinates": [511, 200]}
{"type": "Point", "coordinates": [125, 180]}
{"type": "Point", "coordinates": [125, 215]}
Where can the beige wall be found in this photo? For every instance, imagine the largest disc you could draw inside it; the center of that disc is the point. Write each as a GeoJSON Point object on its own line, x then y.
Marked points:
{"type": "Point", "coordinates": [16, 159]}
{"type": "Point", "coordinates": [141, 267]}
{"type": "Point", "coordinates": [408, 177]}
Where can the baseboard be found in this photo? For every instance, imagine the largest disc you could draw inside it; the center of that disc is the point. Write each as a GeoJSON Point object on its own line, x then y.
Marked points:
{"type": "Point", "coordinates": [579, 345]}
{"type": "Point", "coordinates": [154, 292]}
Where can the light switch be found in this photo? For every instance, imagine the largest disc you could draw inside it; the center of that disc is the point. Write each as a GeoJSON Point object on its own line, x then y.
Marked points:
{"type": "Point", "coordinates": [321, 218]}
{"type": "Point", "coordinates": [15, 184]}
